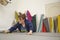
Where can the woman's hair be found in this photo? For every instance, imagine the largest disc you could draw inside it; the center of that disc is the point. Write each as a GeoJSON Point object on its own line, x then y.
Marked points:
{"type": "Point", "coordinates": [23, 16]}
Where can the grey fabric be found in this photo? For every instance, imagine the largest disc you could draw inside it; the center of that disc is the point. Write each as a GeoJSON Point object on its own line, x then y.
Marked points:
{"type": "Point", "coordinates": [55, 25]}
{"type": "Point", "coordinates": [46, 24]}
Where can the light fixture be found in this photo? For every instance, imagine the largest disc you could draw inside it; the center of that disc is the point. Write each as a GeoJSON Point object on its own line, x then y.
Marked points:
{"type": "Point", "coordinates": [4, 2]}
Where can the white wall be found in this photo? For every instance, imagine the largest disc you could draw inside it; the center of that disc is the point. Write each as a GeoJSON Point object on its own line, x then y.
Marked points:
{"type": "Point", "coordinates": [52, 9]}
{"type": "Point", "coordinates": [7, 15]}
{"type": "Point", "coordinates": [34, 6]}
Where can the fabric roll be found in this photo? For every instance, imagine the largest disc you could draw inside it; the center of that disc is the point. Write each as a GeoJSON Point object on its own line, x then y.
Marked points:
{"type": "Point", "coordinates": [58, 17]}
{"type": "Point", "coordinates": [46, 23]}
{"type": "Point", "coordinates": [29, 17]}
{"type": "Point", "coordinates": [16, 16]}
{"type": "Point", "coordinates": [40, 24]}
{"type": "Point", "coordinates": [34, 23]}
{"type": "Point", "coordinates": [51, 24]}
{"type": "Point", "coordinates": [55, 25]}
{"type": "Point", "coordinates": [43, 28]}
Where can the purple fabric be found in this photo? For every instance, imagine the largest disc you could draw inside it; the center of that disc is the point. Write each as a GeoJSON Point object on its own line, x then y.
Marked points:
{"type": "Point", "coordinates": [29, 17]}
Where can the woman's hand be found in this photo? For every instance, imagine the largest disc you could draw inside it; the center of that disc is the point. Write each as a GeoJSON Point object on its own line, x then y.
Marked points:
{"type": "Point", "coordinates": [30, 32]}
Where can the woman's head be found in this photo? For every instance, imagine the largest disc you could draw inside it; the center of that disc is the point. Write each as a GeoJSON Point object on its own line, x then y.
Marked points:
{"type": "Point", "coordinates": [21, 17]}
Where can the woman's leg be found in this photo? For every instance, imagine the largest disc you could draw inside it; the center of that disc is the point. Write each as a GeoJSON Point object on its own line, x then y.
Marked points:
{"type": "Point", "coordinates": [13, 27]}
{"type": "Point", "coordinates": [19, 27]}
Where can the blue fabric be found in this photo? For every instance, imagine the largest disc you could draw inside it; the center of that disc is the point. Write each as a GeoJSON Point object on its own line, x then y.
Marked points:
{"type": "Point", "coordinates": [28, 24]}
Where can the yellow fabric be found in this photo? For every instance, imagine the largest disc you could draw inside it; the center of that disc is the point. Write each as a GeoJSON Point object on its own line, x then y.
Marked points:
{"type": "Point", "coordinates": [51, 24]}
{"type": "Point", "coordinates": [16, 16]}
{"type": "Point", "coordinates": [58, 23]}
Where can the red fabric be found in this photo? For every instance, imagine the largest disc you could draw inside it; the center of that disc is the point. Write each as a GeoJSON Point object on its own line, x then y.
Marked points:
{"type": "Point", "coordinates": [43, 28]}
{"type": "Point", "coordinates": [29, 16]}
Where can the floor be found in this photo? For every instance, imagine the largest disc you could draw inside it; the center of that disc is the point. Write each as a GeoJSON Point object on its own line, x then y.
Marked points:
{"type": "Point", "coordinates": [34, 36]}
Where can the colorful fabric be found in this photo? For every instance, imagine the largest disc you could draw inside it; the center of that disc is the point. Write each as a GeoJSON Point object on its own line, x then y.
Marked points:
{"type": "Point", "coordinates": [55, 25]}
{"type": "Point", "coordinates": [43, 28]}
{"type": "Point", "coordinates": [34, 23]}
{"type": "Point", "coordinates": [58, 23]}
{"type": "Point", "coordinates": [29, 17]}
{"type": "Point", "coordinates": [16, 16]}
{"type": "Point", "coordinates": [46, 23]}
{"type": "Point", "coordinates": [51, 23]}
{"type": "Point", "coordinates": [40, 24]}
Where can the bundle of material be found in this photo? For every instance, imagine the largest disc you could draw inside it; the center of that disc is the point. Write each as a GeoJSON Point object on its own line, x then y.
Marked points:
{"type": "Point", "coordinates": [51, 24]}
{"type": "Point", "coordinates": [58, 18]}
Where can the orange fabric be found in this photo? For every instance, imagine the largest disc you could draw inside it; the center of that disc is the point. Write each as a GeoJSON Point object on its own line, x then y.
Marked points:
{"type": "Point", "coordinates": [43, 28]}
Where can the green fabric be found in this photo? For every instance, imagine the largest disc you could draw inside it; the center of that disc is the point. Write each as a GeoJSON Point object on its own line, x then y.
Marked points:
{"type": "Point", "coordinates": [34, 23]}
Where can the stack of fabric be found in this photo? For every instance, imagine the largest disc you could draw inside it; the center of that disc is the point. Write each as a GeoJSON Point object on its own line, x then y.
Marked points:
{"type": "Point", "coordinates": [48, 24]}
{"type": "Point", "coordinates": [51, 24]}
{"type": "Point", "coordinates": [58, 17]}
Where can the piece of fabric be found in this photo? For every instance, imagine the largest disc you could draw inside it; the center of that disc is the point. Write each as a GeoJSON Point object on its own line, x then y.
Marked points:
{"type": "Point", "coordinates": [34, 23]}
{"type": "Point", "coordinates": [55, 25]}
{"type": "Point", "coordinates": [58, 17]}
{"type": "Point", "coordinates": [41, 22]}
{"type": "Point", "coordinates": [16, 16]}
{"type": "Point", "coordinates": [51, 24]}
{"type": "Point", "coordinates": [43, 28]}
{"type": "Point", "coordinates": [29, 17]}
{"type": "Point", "coordinates": [46, 23]}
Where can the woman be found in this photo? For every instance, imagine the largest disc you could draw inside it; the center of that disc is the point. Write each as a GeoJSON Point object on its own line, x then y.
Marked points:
{"type": "Point", "coordinates": [23, 25]}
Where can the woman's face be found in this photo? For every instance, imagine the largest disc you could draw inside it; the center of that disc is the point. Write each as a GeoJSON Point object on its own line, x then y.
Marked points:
{"type": "Point", "coordinates": [21, 20]}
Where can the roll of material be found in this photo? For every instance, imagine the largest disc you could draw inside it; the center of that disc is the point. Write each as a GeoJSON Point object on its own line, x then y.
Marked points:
{"type": "Point", "coordinates": [55, 25]}
{"type": "Point", "coordinates": [58, 17]}
{"type": "Point", "coordinates": [46, 23]}
{"type": "Point", "coordinates": [51, 24]}
{"type": "Point", "coordinates": [34, 23]}
{"type": "Point", "coordinates": [43, 28]}
{"type": "Point", "coordinates": [41, 23]}
{"type": "Point", "coordinates": [16, 16]}
{"type": "Point", "coordinates": [29, 17]}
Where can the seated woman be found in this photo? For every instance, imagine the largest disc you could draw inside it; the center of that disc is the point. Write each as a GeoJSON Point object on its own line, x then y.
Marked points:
{"type": "Point", "coordinates": [23, 25]}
